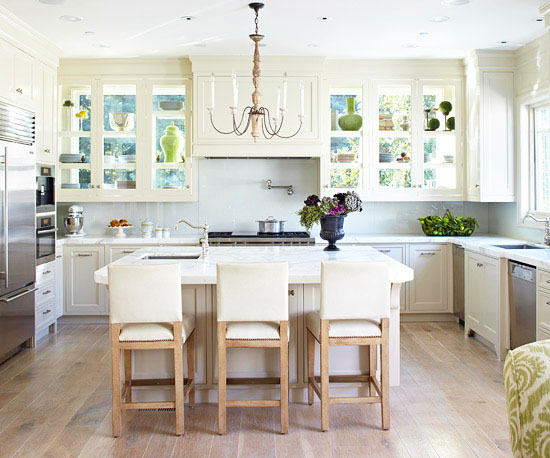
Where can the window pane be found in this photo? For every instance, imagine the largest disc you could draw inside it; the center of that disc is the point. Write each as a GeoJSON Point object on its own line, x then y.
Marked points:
{"type": "Point", "coordinates": [119, 108]}
{"type": "Point", "coordinates": [394, 108]}
{"type": "Point", "coordinates": [119, 149]}
{"type": "Point", "coordinates": [119, 178]}
{"type": "Point", "coordinates": [394, 149]}
{"type": "Point", "coordinates": [542, 160]}
{"type": "Point", "coordinates": [168, 94]}
{"type": "Point", "coordinates": [169, 179]}
{"type": "Point", "coordinates": [75, 178]}
{"type": "Point", "coordinates": [440, 178]}
{"type": "Point", "coordinates": [161, 123]}
{"type": "Point", "coordinates": [394, 178]}
{"type": "Point", "coordinates": [344, 178]}
{"type": "Point", "coordinates": [344, 149]}
{"type": "Point", "coordinates": [433, 96]}
{"type": "Point", "coordinates": [76, 108]}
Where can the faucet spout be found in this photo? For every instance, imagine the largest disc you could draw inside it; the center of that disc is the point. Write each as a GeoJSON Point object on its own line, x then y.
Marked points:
{"type": "Point", "coordinates": [546, 222]}
{"type": "Point", "coordinates": [203, 240]}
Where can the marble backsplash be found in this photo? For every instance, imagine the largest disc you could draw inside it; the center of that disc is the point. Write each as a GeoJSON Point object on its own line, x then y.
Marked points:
{"type": "Point", "coordinates": [232, 196]}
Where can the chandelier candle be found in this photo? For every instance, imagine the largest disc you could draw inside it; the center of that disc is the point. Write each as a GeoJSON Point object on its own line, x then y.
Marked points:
{"type": "Point", "coordinates": [257, 116]}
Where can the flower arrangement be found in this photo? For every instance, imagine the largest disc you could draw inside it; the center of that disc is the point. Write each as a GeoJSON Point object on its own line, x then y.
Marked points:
{"type": "Point", "coordinates": [315, 208]}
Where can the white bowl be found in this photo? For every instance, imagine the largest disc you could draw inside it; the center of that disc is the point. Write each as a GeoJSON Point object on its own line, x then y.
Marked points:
{"type": "Point", "coordinates": [170, 105]}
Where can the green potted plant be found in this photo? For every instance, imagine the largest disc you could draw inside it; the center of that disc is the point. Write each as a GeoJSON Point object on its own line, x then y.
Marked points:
{"type": "Point", "coordinates": [446, 107]}
{"type": "Point", "coordinates": [448, 224]}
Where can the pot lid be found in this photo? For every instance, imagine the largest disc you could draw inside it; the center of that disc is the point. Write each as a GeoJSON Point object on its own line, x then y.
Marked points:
{"type": "Point", "coordinates": [270, 219]}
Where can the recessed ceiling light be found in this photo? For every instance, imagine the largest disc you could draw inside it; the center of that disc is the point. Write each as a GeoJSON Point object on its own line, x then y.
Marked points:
{"type": "Point", "coordinates": [89, 32]}
{"type": "Point", "coordinates": [503, 42]}
{"type": "Point", "coordinates": [188, 18]}
{"type": "Point", "coordinates": [52, 2]}
{"type": "Point", "coordinates": [324, 18]}
{"type": "Point", "coordinates": [71, 18]}
{"type": "Point", "coordinates": [439, 19]}
{"type": "Point", "coordinates": [538, 19]}
{"type": "Point", "coordinates": [423, 33]}
{"type": "Point", "coordinates": [313, 45]}
{"type": "Point", "coordinates": [454, 2]}
{"type": "Point", "coordinates": [200, 45]}
{"type": "Point", "coordinates": [410, 45]}
{"type": "Point", "coordinates": [101, 45]}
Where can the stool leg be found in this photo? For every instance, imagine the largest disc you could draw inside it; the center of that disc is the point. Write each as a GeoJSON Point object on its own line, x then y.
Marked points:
{"type": "Point", "coordinates": [385, 374]}
{"type": "Point", "coordinates": [325, 403]}
{"type": "Point", "coordinates": [116, 385]}
{"type": "Point", "coordinates": [372, 368]}
{"type": "Point", "coordinates": [128, 373]}
{"type": "Point", "coordinates": [191, 367]}
{"type": "Point", "coordinates": [178, 378]}
{"type": "Point", "coordinates": [222, 408]}
{"type": "Point", "coordinates": [310, 366]}
{"type": "Point", "coordinates": [283, 330]}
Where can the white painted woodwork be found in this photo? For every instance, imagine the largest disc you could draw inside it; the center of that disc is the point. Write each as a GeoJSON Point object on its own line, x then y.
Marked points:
{"type": "Point", "coordinates": [482, 296]}
{"type": "Point", "coordinates": [543, 304]}
{"type": "Point", "coordinates": [59, 283]}
{"type": "Point", "coordinates": [399, 253]}
{"type": "Point", "coordinates": [22, 80]}
{"type": "Point", "coordinates": [429, 289]}
{"type": "Point", "coordinates": [113, 253]}
{"type": "Point", "coordinates": [7, 57]}
{"type": "Point", "coordinates": [82, 295]}
{"type": "Point", "coordinates": [44, 98]}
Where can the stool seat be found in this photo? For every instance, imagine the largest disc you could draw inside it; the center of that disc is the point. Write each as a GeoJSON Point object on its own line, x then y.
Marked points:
{"type": "Point", "coordinates": [343, 328]}
{"type": "Point", "coordinates": [253, 330]}
{"type": "Point", "coordinates": [151, 332]}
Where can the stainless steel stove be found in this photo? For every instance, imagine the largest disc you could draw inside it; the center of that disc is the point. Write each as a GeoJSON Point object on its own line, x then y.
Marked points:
{"type": "Point", "coordinates": [260, 239]}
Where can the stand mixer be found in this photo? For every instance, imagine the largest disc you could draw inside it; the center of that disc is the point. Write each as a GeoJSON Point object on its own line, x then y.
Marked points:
{"type": "Point", "coordinates": [74, 222]}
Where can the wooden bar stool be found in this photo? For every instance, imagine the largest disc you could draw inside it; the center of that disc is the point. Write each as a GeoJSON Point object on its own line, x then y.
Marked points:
{"type": "Point", "coordinates": [146, 314]}
{"type": "Point", "coordinates": [355, 310]}
{"type": "Point", "coordinates": [252, 303]}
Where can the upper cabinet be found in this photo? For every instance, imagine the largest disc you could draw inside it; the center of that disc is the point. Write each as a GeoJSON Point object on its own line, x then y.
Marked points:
{"type": "Point", "coordinates": [408, 144]}
{"type": "Point", "coordinates": [491, 149]}
{"type": "Point", "coordinates": [124, 139]}
{"type": "Point", "coordinates": [211, 141]}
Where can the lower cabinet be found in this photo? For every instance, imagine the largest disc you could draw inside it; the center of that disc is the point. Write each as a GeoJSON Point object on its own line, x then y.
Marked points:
{"type": "Point", "coordinates": [482, 296]}
{"type": "Point", "coordinates": [429, 291]}
{"type": "Point", "coordinates": [115, 253]}
{"type": "Point", "coordinates": [83, 296]}
{"type": "Point", "coordinates": [399, 253]}
{"type": "Point", "coordinates": [543, 304]}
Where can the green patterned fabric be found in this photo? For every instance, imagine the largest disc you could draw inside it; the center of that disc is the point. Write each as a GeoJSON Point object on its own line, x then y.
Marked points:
{"type": "Point", "coordinates": [527, 382]}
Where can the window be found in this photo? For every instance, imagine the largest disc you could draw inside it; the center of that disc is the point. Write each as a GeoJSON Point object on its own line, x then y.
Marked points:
{"type": "Point", "coordinates": [541, 159]}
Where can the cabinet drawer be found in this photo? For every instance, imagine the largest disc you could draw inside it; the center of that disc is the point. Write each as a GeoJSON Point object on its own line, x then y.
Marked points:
{"type": "Point", "coordinates": [45, 274]}
{"type": "Point", "coordinates": [543, 309]}
{"type": "Point", "coordinates": [45, 314]}
{"type": "Point", "coordinates": [543, 279]}
{"type": "Point", "coordinates": [44, 293]}
{"type": "Point", "coordinates": [543, 334]}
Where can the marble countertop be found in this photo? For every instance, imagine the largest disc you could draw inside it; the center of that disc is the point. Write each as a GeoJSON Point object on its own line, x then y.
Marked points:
{"type": "Point", "coordinates": [97, 240]}
{"type": "Point", "coordinates": [304, 261]}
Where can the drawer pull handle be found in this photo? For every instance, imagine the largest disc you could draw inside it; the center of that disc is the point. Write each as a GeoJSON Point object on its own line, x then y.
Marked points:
{"type": "Point", "coordinates": [384, 251]}
{"type": "Point", "coordinates": [547, 302]}
{"type": "Point", "coordinates": [84, 254]}
{"type": "Point", "coordinates": [45, 312]}
{"type": "Point", "coordinates": [48, 291]}
{"type": "Point", "coordinates": [47, 150]}
{"type": "Point", "coordinates": [128, 251]}
{"type": "Point", "coordinates": [19, 90]}
{"type": "Point", "coordinates": [292, 292]}
{"type": "Point", "coordinates": [479, 264]}
{"type": "Point", "coordinates": [427, 254]}
{"type": "Point", "coordinates": [547, 281]}
{"type": "Point", "coordinates": [46, 272]}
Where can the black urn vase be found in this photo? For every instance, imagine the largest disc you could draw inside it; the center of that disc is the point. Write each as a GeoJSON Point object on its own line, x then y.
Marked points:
{"type": "Point", "coordinates": [332, 230]}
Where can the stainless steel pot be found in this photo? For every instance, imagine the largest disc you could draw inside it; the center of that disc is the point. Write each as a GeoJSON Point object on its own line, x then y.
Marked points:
{"type": "Point", "coordinates": [271, 225]}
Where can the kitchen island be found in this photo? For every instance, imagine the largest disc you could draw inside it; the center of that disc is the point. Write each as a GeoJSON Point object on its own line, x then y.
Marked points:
{"type": "Point", "coordinates": [199, 298]}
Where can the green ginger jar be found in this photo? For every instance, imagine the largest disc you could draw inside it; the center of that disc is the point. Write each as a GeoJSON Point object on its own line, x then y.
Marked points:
{"type": "Point", "coordinates": [171, 143]}
{"type": "Point", "coordinates": [350, 121]}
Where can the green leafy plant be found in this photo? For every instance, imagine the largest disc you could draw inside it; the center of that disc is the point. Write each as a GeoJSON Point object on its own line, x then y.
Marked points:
{"type": "Point", "coordinates": [451, 123]}
{"type": "Point", "coordinates": [448, 224]}
{"type": "Point", "coordinates": [433, 124]}
{"type": "Point", "coordinates": [68, 103]}
{"type": "Point", "coordinates": [445, 107]}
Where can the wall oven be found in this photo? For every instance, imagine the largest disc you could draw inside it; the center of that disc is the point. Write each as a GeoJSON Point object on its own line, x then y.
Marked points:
{"type": "Point", "coordinates": [45, 239]}
{"type": "Point", "coordinates": [45, 188]}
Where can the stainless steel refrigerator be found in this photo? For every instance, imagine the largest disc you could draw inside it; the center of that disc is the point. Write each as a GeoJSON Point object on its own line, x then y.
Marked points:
{"type": "Point", "coordinates": [17, 227]}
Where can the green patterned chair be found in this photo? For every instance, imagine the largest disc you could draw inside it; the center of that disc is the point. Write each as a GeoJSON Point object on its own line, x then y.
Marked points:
{"type": "Point", "coordinates": [527, 382]}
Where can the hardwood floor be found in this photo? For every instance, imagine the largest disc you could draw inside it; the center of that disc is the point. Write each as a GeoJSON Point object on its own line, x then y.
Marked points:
{"type": "Point", "coordinates": [55, 401]}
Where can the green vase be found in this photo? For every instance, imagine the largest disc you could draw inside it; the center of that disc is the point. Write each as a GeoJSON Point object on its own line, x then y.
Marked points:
{"type": "Point", "coordinates": [350, 121]}
{"type": "Point", "coordinates": [171, 143]}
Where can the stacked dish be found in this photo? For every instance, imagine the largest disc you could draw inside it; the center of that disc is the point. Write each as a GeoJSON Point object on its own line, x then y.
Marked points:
{"type": "Point", "coordinates": [346, 157]}
{"type": "Point", "coordinates": [126, 184]}
{"type": "Point", "coordinates": [127, 158]}
{"type": "Point", "coordinates": [170, 105]}
{"type": "Point", "coordinates": [70, 185]}
{"type": "Point", "coordinates": [70, 158]}
{"type": "Point", "coordinates": [387, 157]}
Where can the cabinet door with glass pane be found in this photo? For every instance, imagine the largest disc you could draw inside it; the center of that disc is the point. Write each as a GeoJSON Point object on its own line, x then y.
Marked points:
{"type": "Point", "coordinates": [346, 139]}
{"type": "Point", "coordinates": [119, 125]}
{"type": "Point", "coordinates": [392, 148]}
{"type": "Point", "coordinates": [75, 152]}
{"type": "Point", "coordinates": [170, 174]}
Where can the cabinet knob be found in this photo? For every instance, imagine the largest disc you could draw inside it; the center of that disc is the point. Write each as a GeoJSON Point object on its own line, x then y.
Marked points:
{"type": "Point", "coordinates": [19, 90]}
{"type": "Point", "coordinates": [84, 254]}
{"type": "Point", "coordinates": [547, 302]}
{"type": "Point", "coordinates": [477, 185]}
{"type": "Point", "coordinates": [187, 186]}
{"type": "Point", "coordinates": [47, 150]}
{"type": "Point", "coordinates": [47, 292]}
{"type": "Point", "coordinates": [46, 272]}
{"type": "Point", "coordinates": [479, 264]}
{"type": "Point", "coordinates": [292, 292]}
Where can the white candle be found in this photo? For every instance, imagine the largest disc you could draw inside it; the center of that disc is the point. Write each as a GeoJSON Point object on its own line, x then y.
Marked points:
{"type": "Point", "coordinates": [301, 98]}
{"type": "Point", "coordinates": [278, 103]}
{"type": "Point", "coordinates": [235, 90]}
{"type": "Point", "coordinates": [284, 90]}
{"type": "Point", "coordinates": [212, 91]}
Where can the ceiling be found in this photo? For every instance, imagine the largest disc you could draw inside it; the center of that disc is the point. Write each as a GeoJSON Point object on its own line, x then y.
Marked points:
{"type": "Point", "coordinates": [355, 28]}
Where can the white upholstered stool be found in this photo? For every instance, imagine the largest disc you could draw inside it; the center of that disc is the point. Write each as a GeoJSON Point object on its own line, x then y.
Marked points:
{"type": "Point", "coordinates": [355, 310]}
{"type": "Point", "coordinates": [252, 306]}
{"type": "Point", "coordinates": [146, 314]}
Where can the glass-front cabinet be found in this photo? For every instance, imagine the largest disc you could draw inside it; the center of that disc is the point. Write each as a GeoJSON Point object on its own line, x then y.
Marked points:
{"type": "Point", "coordinates": [133, 144]}
{"type": "Point", "coordinates": [408, 145]}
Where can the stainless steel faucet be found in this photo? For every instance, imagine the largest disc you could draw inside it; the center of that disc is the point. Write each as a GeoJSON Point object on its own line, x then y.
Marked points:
{"type": "Point", "coordinates": [204, 240]}
{"type": "Point", "coordinates": [546, 222]}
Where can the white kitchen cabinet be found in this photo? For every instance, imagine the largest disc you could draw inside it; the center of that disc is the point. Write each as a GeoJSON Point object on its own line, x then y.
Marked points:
{"type": "Point", "coordinates": [491, 150]}
{"type": "Point", "coordinates": [44, 97]}
{"type": "Point", "coordinates": [482, 297]}
{"type": "Point", "coordinates": [7, 57]}
{"type": "Point", "coordinates": [397, 252]}
{"type": "Point", "coordinates": [114, 253]}
{"type": "Point", "coordinates": [45, 299]}
{"type": "Point", "coordinates": [543, 304]}
{"type": "Point", "coordinates": [23, 77]}
{"type": "Point", "coordinates": [429, 291]}
{"type": "Point", "coordinates": [83, 296]}
{"type": "Point", "coordinates": [59, 283]}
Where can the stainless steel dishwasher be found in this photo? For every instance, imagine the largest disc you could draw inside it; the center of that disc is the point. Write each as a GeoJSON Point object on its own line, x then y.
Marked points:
{"type": "Point", "coordinates": [523, 303]}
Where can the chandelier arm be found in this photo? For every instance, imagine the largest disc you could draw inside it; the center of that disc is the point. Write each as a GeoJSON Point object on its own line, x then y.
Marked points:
{"type": "Point", "coordinates": [218, 130]}
{"type": "Point", "coordinates": [237, 129]}
{"type": "Point", "coordinates": [294, 134]}
{"type": "Point", "coordinates": [269, 127]}
{"type": "Point", "coordinates": [275, 131]}
{"type": "Point", "coordinates": [265, 129]}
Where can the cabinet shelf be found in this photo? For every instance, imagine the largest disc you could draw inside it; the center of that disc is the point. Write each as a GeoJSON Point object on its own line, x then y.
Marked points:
{"type": "Point", "coordinates": [169, 165]}
{"type": "Point", "coordinates": [394, 133]}
{"type": "Point", "coordinates": [439, 133]}
{"type": "Point", "coordinates": [74, 134]}
{"type": "Point", "coordinates": [117, 133]}
{"type": "Point", "coordinates": [74, 165]}
{"type": "Point", "coordinates": [119, 165]}
{"type": "Point", "coordinates": [395, 165]}
{"type": "Point", "coordinates": [346, 133]}
{"type": "Point", "coordinates": [170, 114]}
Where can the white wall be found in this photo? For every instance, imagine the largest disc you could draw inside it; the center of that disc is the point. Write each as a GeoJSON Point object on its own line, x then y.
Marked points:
{"type": "Point", "coordinates": [232, 196]}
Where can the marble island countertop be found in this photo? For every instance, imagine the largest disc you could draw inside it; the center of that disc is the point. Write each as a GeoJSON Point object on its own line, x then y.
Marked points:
{"type": "Point", "coordinates": [304, 261]}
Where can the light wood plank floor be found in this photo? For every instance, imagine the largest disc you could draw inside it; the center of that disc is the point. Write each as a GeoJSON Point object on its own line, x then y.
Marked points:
{"type": "Point", "coordinates": [55, 401]}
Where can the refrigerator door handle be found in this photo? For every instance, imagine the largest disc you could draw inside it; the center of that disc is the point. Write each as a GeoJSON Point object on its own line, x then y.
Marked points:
{"type": "Point", "coordinates": [6, 256]}
{"type": "Point", "coordinates": [17, 296]}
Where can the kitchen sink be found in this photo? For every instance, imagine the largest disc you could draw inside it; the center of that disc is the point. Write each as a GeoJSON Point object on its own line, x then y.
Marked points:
{"type": "Point", "coordinates": [172, 257]}
{"type": "Point", "coordinates": [522, 246]}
